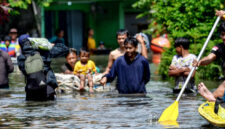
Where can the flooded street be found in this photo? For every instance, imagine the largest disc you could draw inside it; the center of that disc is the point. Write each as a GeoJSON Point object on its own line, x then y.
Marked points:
{"type": "Point", "coordinates": [99, 110]}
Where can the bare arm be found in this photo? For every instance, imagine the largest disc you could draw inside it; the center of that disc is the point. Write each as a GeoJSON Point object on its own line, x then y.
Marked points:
{"type": "Point", "coordinates": [174, 71]}
{"type": "Point", "coordinates": [144, 51]}
{"type": "Point", "coordinates": [220, 13]}
{"type": "Point", "coordinates": [103, 81]}
{"type": "Point", "coordinates": [180, 71]}
{"type": "Point", "coordinates": [68, 72]}
{"type": "Point", "coordinates": [187, 71]}
{"type": "Point", "coordinates": [110, 63]}
{"type": "Point", "coordinates": [207, 60]}
{"type": "Point", "coordinates": [95, 72]}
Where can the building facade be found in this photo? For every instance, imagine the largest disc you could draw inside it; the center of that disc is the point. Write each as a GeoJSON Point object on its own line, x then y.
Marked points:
{"type": "Point", "coordinates": [105, 17]}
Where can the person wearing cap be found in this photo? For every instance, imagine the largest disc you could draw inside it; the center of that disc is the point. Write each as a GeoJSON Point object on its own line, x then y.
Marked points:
{"type": "Point", "coordinates": [13, 33]}
{"type": "Point", "coordinates": [8, 46]}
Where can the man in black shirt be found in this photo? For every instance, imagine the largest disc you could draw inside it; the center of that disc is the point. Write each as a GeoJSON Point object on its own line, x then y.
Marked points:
{"type": "Point", "coordinates": [218, 52]}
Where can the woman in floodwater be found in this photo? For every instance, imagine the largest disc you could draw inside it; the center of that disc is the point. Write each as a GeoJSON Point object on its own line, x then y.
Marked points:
{"type": "Point", "coordinates": [71, 59]}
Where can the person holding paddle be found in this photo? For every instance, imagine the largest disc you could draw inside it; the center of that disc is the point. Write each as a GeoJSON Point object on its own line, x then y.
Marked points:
{"type": "Point", "coordinates": [181, 66]}
{"type": "Point", "coordinates": [170, 114]}
{"type": "Point", "coordinates": [217, 52]}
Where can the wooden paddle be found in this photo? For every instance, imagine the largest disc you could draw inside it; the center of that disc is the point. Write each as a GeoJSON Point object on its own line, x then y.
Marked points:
{"type": "Point", "coordinates": [169, 115]}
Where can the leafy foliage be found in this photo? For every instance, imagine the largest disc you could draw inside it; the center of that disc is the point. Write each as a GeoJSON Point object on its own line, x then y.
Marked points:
{"type": "Point", "coordinates": [19, 3]}
{"type": "Point", "coordinates": [23, 4]}
{"type": "Point", "coordinates": [10, 7]}
{"type": "Point", "coordinates": [187, 18]}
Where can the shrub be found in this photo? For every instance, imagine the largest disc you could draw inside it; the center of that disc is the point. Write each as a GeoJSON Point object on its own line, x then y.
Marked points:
{"type": "Point", "coordinates": [187, 18]}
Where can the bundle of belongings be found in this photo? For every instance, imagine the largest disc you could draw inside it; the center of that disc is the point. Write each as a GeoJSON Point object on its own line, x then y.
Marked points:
{"type": "Point", "coordinates": [34, 62]}
{"type": "Point", "coordinates": [69, 83]}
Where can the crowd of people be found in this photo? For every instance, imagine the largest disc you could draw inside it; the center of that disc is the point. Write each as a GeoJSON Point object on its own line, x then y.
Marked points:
{"type": "Point", "coordinates": [9, 47]}
{"type": "Point", "coordinates": [40, 79]}
{"type": "Point", "coordinates": [128, 63]}
{"type": "Point", "coordinates": [85, 68]}
{"type": "Point", "coordinates": [9, 43]}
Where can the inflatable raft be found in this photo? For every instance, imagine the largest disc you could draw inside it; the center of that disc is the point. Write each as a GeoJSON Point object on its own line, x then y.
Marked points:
{"type": "Point", "coordinates": [68, 83]}
{"type": "Point", "coordinates": [206, 110]}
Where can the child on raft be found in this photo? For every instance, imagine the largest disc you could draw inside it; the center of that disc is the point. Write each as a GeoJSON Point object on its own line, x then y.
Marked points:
{"type": "Point", "coordinates": [84, 69]}
{"type": "Point", "coordinates": [181, 65]}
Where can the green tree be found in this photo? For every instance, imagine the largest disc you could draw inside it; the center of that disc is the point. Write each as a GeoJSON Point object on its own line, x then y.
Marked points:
{"type": "Point", "coordinates": [11, 7]}
{"type": "Point", "coordinates": [25, 3]}
{"type": "Point", "coordinates": [183, 18]}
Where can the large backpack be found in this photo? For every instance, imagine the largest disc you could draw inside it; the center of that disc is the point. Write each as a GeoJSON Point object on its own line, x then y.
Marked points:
{"type": "Point", "coordinates": [34, 69]}
{"type": "Point", "coordinates": [34, 63]}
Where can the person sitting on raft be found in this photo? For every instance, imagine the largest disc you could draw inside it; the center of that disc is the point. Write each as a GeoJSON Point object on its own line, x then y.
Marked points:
{"type": "Point", "coordinates": [208, 95]}
{"type": "Point", "coordinates": [71, 59]}
{"type": "Point", "coordinates": [84, 69]}
{"type": "Point", "coordinates": [181, 66]}
{"type": "Point", "coordinates": [218, 96]}
{"type": "Point", "coordinates": [132, 70]}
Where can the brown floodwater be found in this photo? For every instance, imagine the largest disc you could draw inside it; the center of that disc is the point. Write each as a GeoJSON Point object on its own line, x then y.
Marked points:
{"type": "Point", "coordinates": [98, 110]}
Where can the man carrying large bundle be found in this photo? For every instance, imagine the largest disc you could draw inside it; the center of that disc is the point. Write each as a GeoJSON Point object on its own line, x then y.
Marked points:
{"type": "Point", "coordinates": [34, 62]}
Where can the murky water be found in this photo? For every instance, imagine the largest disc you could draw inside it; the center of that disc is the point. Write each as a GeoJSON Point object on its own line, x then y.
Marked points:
{"type": "Point", "coordinates": [99, 110]}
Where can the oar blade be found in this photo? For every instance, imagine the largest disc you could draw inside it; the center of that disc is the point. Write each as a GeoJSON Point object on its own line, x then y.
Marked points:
{"type": "Point", "coordinates": [170, 115]}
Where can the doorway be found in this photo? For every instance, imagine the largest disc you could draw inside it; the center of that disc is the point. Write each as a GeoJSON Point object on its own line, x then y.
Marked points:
{"type": "Point", "coordinates": [72, 24]}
